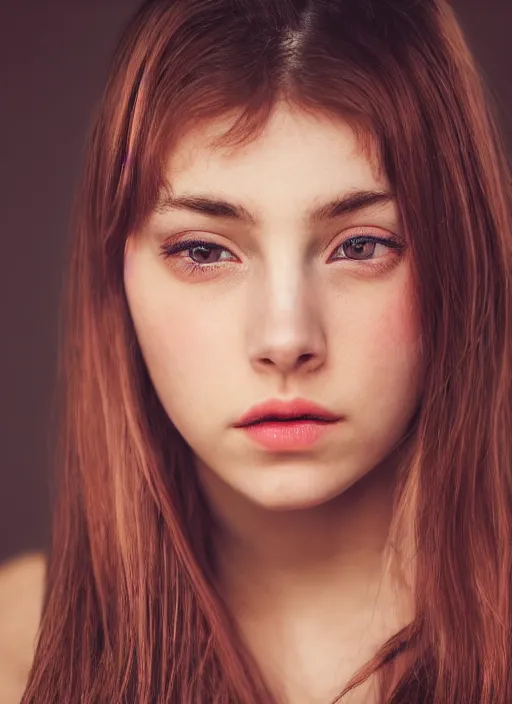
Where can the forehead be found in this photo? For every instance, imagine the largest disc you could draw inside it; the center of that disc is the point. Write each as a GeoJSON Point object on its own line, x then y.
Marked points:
{"type": "Point", "coordinates": [298, 149]}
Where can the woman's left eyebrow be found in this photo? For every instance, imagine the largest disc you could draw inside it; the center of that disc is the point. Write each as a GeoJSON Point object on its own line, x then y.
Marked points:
{"type": "Point", "coordinates": [217, 207]}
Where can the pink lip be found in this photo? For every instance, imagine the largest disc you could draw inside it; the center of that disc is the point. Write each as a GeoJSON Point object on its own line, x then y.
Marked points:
{"type": "Point", "coordinates": [282, 436]}
{"type": "Point", "coordinates": [286, 410]}
{"type": "Point", "coordinates": [290, 433]}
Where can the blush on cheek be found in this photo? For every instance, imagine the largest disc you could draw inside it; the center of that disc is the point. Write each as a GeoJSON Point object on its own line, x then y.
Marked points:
{"type": "Point", "coordinates": [398, 328]}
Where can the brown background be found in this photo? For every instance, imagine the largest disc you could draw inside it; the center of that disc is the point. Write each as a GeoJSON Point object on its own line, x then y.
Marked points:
{"type": "Point", "coordinates": [53, 62]}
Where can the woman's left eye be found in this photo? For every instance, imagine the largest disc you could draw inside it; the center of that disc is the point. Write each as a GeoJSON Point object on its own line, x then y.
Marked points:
{"type": "Point", "coordinates": [362, 247]}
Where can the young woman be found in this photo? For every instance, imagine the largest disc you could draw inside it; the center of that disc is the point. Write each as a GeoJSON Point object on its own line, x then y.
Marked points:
{"type": "Point", "coordinates": [285, 453]}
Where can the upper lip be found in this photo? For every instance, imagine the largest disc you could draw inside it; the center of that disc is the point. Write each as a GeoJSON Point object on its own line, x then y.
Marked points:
{"type": "Point", "coordinates": [285, 410]}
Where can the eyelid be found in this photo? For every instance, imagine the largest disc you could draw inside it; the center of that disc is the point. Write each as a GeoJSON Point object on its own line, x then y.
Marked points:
{"type": "Point", "coordinates": [173, 248]}
{"type": "Point", "coordinates": [367, 231]}
{"type": "Point", "coordinates": [347, 233]}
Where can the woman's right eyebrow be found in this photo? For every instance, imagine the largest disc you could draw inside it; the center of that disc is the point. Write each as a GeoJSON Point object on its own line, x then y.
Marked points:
{"type": "Point", "coordinates": [218, 207]}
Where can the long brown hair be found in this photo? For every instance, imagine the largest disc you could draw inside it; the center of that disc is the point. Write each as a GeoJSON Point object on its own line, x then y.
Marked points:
{"type": "Point", "coordinates": [131, 613]}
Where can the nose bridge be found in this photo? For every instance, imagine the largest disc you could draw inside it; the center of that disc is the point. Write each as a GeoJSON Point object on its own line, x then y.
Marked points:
{"type": "Point", "coordinates": [285, 323]}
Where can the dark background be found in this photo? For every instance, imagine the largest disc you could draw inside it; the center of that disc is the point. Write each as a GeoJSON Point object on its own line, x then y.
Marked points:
{"type": "Point", "coordinates": [54, 57]}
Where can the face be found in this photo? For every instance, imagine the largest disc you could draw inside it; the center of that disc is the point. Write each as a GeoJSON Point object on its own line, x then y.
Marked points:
{"type": "Point", "coordinates": [278, 305]}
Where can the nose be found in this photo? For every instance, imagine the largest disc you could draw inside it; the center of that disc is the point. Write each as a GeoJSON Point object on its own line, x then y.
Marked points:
{"type": "Point", "coordinates": [286, 332]}
{"type": "Point", "coordinates": [288, 359]}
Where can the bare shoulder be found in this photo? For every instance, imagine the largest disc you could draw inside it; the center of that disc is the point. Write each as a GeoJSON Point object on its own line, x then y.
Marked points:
{"type": "Point", "coordinates": [21, 596]}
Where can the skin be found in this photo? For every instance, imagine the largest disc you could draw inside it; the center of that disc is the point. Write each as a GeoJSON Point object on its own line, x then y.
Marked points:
{"type": "Point", "coordinates": [286, 312]}
{"type": "Point", "coordinates": [21, 600]}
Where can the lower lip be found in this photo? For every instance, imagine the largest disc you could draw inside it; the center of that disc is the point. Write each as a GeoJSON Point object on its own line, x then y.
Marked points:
{"type": "Point", "coordinates": [288, 435]}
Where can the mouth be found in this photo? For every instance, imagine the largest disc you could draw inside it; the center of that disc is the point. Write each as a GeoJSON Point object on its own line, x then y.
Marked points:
{"type": "Point", "coordinates": [279, 411]}
{"type": "Point", "coordinates": [290, 420]}
{"type": "Point", "coordinates": [288, 434]}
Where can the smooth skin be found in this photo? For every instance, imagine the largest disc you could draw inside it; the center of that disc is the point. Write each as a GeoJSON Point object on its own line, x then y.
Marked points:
{"type": "Point", "coordinates": [285, 309]}
{"type": "Point", "coordinates": [21, 600]}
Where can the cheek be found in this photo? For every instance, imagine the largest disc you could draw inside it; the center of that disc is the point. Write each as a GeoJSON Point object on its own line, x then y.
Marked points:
{"type": "Point", "coordinates": [381, 358]}
{"type": "Point", "coordinates": [395, 331]}
{"type": "Point", "coordinates": [400, 363]}
{"type": "Point", "coordinates": [187, 360]}
{"type": "Point", "coordinates": [189, 339]}
{"type": "Point", "coordinates": [183, 343]}
{"type": "Point", "coordinates": [178, 345]}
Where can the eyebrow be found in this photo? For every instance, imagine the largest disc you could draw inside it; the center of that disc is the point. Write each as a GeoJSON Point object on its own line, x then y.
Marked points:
{"type": "Point", "coordinates": [218, 208]}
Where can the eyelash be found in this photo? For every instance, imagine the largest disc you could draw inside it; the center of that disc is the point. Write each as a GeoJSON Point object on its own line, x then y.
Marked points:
{"type": "Point", "coordinates": [169, 250]}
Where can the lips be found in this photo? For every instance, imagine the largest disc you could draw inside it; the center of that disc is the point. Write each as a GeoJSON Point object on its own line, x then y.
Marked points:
{"type": "Point", "coordinates": [286, 411]}
{"type": "Point", "coordinates": [291, 419]}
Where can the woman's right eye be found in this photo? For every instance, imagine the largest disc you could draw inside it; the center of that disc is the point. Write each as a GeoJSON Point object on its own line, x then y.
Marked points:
{"type": "Point", "coordinates": [198, 259]}
{"type": "Point", "coordinates": [199, 251]}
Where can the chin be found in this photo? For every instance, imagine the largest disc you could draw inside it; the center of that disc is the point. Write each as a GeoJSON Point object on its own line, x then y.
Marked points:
{"type": "Point", "coordinates": [296, 486]}
{"type": "Point", "coordinates": [280, 504]}
{"type": "Point", "coordinates": [293, 494]}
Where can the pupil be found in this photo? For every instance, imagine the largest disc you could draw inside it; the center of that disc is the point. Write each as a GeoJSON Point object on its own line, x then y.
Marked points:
{"type": "Point", "coordinates": [359, 247]}
{"type": "Point", "coordinates": [205, 252]}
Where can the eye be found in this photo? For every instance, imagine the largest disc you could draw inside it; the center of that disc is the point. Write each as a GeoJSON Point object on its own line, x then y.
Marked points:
{"type": "Point", "coordinates": [201, 253]}
{"type": "Point", "coordinates": [362, 247]}
{"type": "Point", "coordinates": [205, 253]}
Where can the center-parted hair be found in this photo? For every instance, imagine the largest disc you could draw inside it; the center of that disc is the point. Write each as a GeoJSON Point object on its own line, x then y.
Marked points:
{"type": "Point", "coordinates": [131, 613]}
